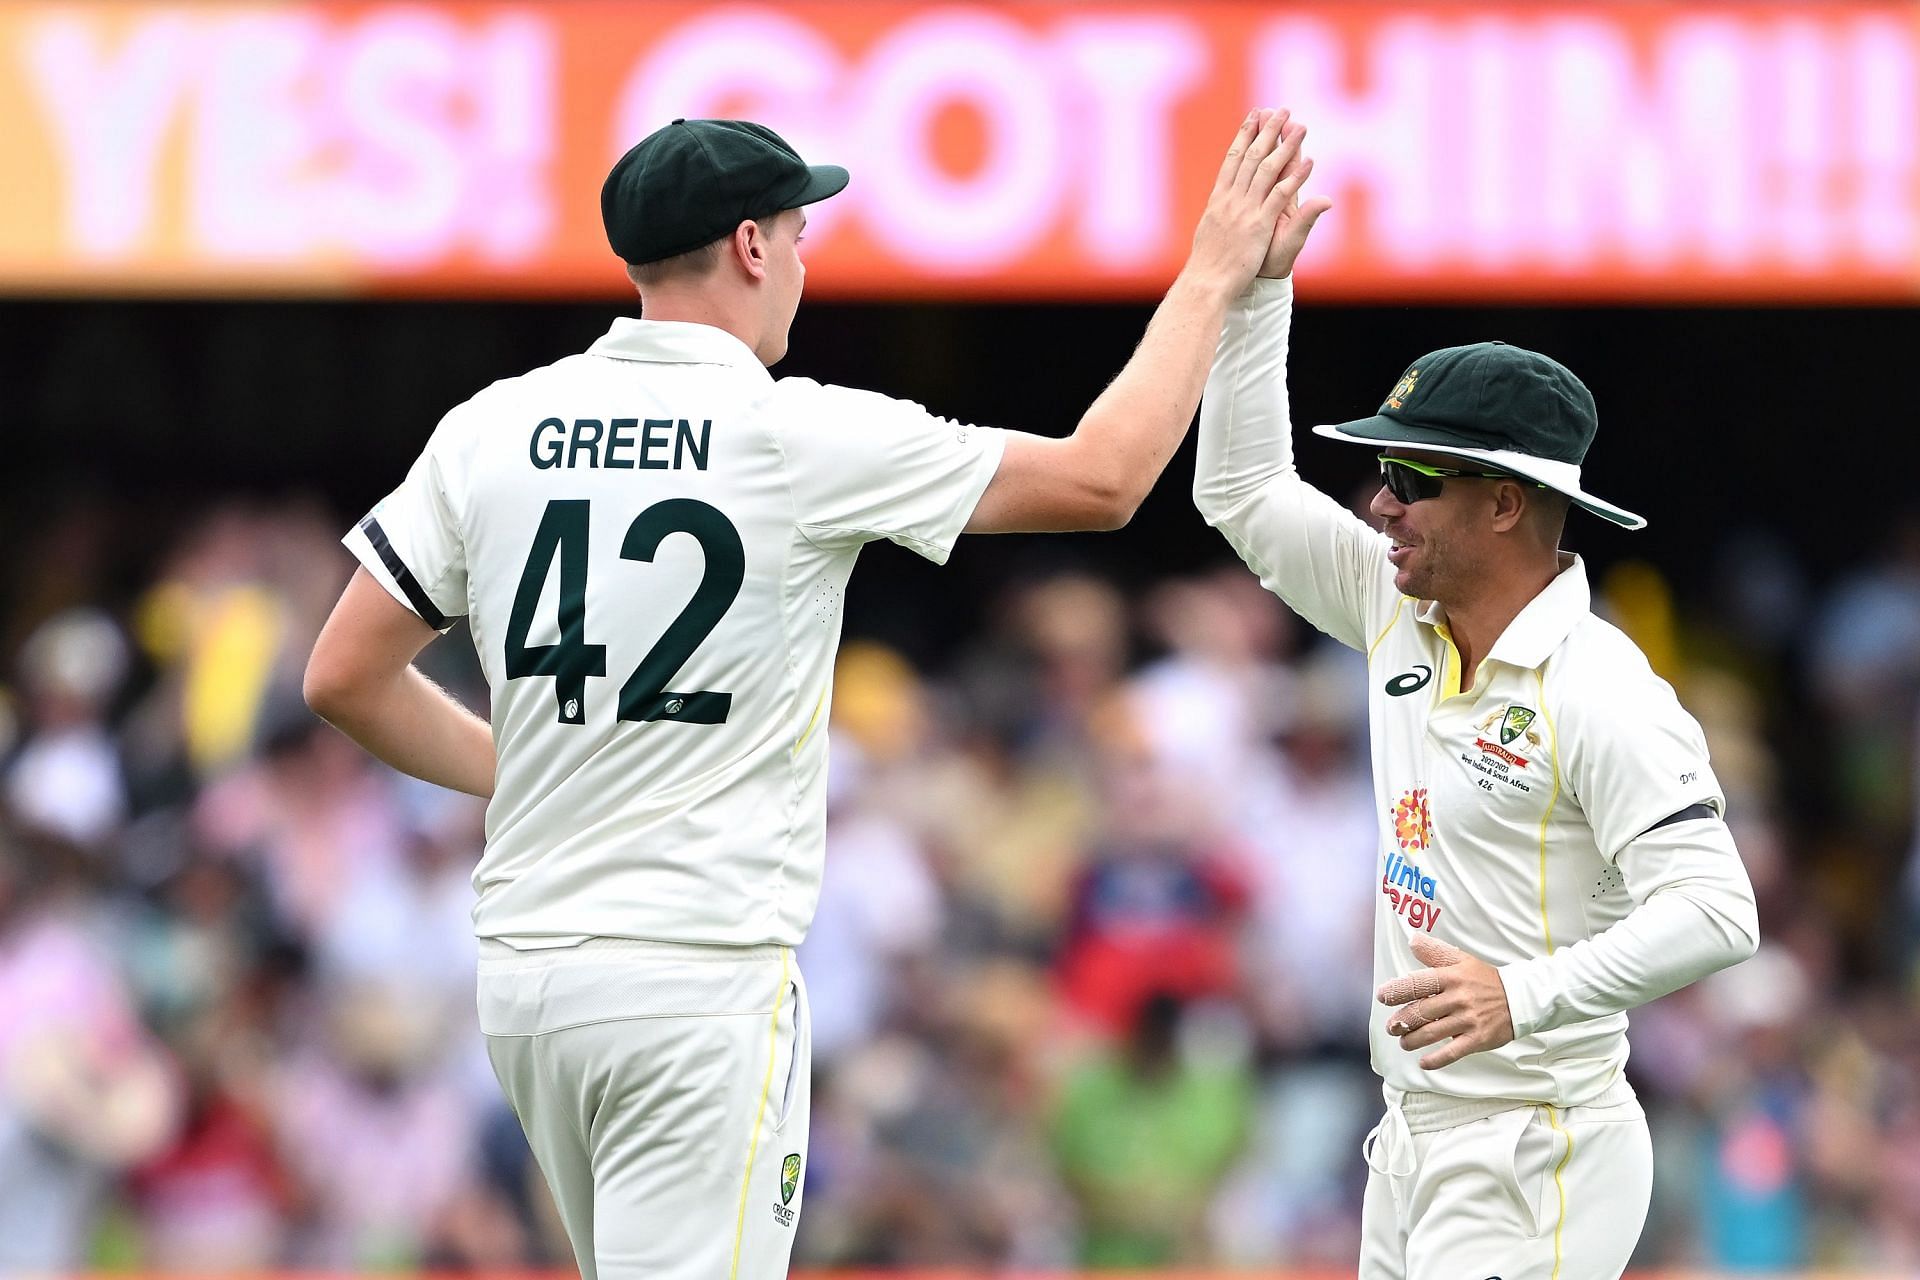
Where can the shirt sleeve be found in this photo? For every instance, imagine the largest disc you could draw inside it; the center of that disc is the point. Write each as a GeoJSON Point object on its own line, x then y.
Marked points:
{"type": "Point", "coordinates": [411, 541]}
{"type": "Point", "coordinates": [1326, 563]}
{"type": "Point", "coordinates": [1694, 914]}
{"type": "Point", "coordinates": [1634, 757]}
{"type": "Point", "coordinates": [866, 466]}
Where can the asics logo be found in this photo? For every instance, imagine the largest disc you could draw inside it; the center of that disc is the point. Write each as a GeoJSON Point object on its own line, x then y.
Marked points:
{"type": "Point", "coordinates": [1409, 681]}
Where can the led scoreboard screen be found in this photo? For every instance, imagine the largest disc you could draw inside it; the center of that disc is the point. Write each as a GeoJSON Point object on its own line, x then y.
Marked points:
{"type": "Point", "coordinates": [1630, 151]}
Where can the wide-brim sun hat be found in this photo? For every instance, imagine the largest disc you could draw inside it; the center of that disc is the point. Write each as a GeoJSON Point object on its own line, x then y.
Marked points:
{"type": "Point", "coordinates": [1512, 409]}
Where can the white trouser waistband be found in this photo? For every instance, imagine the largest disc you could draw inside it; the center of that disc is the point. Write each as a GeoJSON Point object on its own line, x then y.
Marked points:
{"type": "Point", "coordinates": [1389, 1147]}
{"type": "Point", "coordinates": [493, 951]}
{"type": "Point", "coordinates": [603, 979]}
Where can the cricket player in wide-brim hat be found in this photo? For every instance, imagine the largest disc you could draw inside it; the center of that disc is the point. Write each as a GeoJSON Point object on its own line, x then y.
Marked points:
{"type": "Point", "coordinates": [1553, 850]}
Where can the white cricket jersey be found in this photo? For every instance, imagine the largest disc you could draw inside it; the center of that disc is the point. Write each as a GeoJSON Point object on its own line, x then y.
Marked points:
{"type": "Point", "coordinates": [651, 544]}
{"type": "Point", "coordinates": [1504, 806]}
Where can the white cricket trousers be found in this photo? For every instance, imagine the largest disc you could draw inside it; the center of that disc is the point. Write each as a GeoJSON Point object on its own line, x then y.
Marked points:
{"type": "Point", "coordinates": [664, 1091]}
{"type": "Point", "coordinates": [1477, 1189]}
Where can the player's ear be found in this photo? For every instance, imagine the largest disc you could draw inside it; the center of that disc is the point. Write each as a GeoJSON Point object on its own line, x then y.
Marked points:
{"type": "Point", "coordinates": [1510, 503]}
{"type": "Point", "coordinates": [749, 248]}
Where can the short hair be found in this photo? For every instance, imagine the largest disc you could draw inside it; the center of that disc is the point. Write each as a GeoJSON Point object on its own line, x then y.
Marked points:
{"type": "Point", "coordinates": [694, 262]}
{"type": "Point", "coordinates": [1549, 509]}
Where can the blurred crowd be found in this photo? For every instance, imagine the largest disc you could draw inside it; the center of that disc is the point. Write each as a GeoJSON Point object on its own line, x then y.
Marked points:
{"type": "Point", "coordinates": [1091, 970]}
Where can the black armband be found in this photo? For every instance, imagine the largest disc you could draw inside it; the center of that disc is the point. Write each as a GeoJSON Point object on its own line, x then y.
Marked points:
{"type": "Point", "coordinates": [1687, 814]}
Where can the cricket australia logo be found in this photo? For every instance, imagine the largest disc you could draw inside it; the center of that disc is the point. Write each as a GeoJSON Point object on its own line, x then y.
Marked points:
{"type": "Point", "coordinates": [1502, 761]}
{"type": "Point", "coordinates": [789, 1187]}
{"type": "Point", "coordinates": [1402, 389]}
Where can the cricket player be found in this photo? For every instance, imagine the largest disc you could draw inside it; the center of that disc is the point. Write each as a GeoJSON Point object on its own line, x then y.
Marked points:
{"type": "Point", "coordinates": [651, 542]}
{"type": "Point", "coordinates": [1553, 846]}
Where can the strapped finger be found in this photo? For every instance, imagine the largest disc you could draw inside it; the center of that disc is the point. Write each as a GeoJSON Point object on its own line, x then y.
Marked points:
{"type": "Point", "coordinates": [1428, 982]}
{"type": "Point", "coordinates": [1414, 1016]}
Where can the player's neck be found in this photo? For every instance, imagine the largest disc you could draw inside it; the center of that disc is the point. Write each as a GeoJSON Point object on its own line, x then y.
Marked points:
{"type": "Point", "coordinates": [1477, 621]}
{"type": "Point", "coordinates": [691, 306]}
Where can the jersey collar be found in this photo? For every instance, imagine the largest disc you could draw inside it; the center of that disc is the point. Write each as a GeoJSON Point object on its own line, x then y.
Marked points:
{"type": "Point", "coordinates": [1537, 630]}
{"type": "Point", "coordinates": [676, 342]}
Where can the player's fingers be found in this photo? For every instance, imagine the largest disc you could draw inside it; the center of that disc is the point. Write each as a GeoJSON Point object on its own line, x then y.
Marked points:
{"type": "Point", "coordinates": [1292, 134]}
{"type": "Point", "coordinates": [1281, 198]}
{"type": "Point", "coordinates": [1448, 1054]}
{"type": "Point", "coordinates": [1291, 180]}
{"type": "Point", "coordinates": [1429, 952]}
{"type": "Point", "coordinates": [1287, 145]}
{"type": "Point", "coordinates": [1434, 1032]}
{"type": "Point", "coordinates": [1411, 987]}
{"type": "Point", "coordinates": [1230, 167]}
{"type": "Point", "coordinates": [1311, 210]}
{"type": "Point", "coordinates": [1273, 164]}
{"type": "Point", "coordinates": [1418, 1014]}
{"type": "Point", "coordinates": [1282, 121]}
{"type": "Point", "coordinates": [1257, 151]}
{"type": "Point", "coordinates": [1250, 154]}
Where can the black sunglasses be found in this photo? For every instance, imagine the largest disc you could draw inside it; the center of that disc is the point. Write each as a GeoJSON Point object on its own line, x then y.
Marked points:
{"type": "Point", "coordinates": [1409, 481]}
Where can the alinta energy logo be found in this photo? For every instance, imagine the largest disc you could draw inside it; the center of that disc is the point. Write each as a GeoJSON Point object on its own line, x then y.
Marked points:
{"type": "Point", "coordinates": [1409, 890]}
{"type": "Point", "coordinates": [1413, 821]}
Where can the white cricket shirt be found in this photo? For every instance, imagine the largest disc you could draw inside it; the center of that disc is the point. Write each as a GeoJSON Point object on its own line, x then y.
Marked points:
{"type": "Point", "coordinates": [651, 544]}
{"type": "Point", "coordinates": [1504, 807]}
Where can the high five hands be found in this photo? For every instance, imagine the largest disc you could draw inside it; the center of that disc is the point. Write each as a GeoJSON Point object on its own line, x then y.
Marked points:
{"type": "Point", "coordinates": [1456, 998]}
{"type": "Point", "coordinates": [1296, 217]}
{"type": "Point", "coordinates": [1255, 222]}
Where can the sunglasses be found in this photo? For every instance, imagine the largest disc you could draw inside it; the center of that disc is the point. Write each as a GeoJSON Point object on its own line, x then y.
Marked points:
{"type": "Point", "coordinates": [1409, 481]}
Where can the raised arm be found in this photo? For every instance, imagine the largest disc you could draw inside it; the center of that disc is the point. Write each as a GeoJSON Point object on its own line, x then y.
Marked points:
{"type": "Point", "coordinates": [1098, 476]}
{"type": "Point", "coordinates": [1308, 549]}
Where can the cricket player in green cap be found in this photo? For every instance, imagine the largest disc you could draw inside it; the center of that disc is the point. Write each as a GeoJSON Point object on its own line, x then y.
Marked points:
{"type": "Point", "coordinates": [1554, 848]}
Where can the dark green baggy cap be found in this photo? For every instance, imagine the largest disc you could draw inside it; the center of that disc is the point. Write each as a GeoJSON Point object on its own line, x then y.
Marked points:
{"type": "Point", "coordinates": [1515, 409]}
{"type": "Point", "coordinates": [694, 181]}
